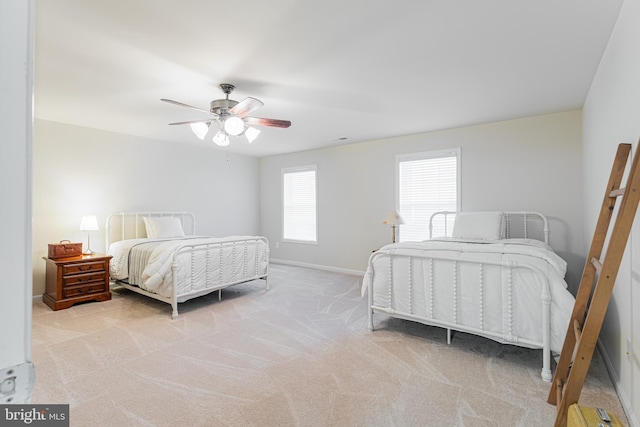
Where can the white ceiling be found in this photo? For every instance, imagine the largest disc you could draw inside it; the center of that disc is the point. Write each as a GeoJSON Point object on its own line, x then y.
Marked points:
{"type": "Point", "coordinates": [360, 69]}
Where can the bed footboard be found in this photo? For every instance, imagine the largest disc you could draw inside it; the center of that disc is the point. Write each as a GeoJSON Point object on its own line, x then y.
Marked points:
{"type": "Point", "coordinates": [449, 291]}
{"type": "Point", "coordinates": [199, 269]}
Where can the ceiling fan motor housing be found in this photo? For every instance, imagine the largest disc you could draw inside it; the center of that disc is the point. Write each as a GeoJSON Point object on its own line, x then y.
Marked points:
{"type": "Point", "coordinates": [222, 106]}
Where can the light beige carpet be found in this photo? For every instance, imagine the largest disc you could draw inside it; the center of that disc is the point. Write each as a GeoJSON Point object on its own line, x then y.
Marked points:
{"type": "Point", "coordinates": [299, 354]}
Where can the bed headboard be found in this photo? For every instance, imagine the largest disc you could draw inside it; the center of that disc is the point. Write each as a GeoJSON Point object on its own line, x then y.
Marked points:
{"type": "Point", "coordinates": [130, 225]}
{"type": "Point", "coordinates": [522, 224]}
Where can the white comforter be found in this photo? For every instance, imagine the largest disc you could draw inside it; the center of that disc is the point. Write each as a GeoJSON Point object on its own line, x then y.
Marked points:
{"type": "Point", "coordinates": [234, 258]}
{"type": "Point", "coordinates": [488, 307]}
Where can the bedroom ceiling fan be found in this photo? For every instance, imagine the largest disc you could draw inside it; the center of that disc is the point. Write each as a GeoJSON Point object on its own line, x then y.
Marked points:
{"type": "Point", "coordinates": [231, 118]}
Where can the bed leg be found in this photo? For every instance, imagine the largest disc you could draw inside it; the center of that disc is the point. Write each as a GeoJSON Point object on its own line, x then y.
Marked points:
{"type": "Point", "coordinates": [369, 306]}
{"type": "Point", "coordinates": [174, 314]}
{"type": "Point", "coordinates": [448, 336]}
{"type": "Point", "coordinates": [546, 366]}
{"type": "Point", "coordinates": [546, 331]}
{"type": "Point", "coordinates": [219, 294]}
{"type": "Point", "coordinates": [266, 283]}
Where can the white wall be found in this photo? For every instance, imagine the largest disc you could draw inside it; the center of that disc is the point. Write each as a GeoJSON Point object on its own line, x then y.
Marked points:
{"type": "Point", "coordinates": [80, 171]}
{"type": "Point", "coordinates": [612, 116]}
{"type": "Point", "coordinates": [526, 164]}
{"type": "Point", "coordinates": [16, 90]}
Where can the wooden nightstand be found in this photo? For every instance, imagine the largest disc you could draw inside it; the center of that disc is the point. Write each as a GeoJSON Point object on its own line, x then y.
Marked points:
{"type": "Point", "coordinates": [78, 279]}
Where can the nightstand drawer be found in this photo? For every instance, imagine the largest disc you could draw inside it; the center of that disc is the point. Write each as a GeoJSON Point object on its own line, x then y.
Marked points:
{"type": "Point", "coordinates": [79, 290]}
{"type": "Point", "coordinates": [83, 279]}
{"type": "Point", "coordinates": [84, 267]}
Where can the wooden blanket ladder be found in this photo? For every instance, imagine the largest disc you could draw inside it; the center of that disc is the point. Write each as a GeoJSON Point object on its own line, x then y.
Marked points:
{"type": "Point", "coordinates": [587, 317]}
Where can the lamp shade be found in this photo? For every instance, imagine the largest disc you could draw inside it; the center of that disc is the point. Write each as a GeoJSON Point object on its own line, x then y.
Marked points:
{"type": "Point", "coordinates": [393, 218]}
{"type": "Point", "coordinates": [251, 134]}
{"type": "Point", "coordinates": [221, 138]}
{"type": "Point", "coordinates": [89, 223]}
{"type": "Point", "coordinates": [200, 129]}
{"type": "Point", "coordinates": [234, 126]}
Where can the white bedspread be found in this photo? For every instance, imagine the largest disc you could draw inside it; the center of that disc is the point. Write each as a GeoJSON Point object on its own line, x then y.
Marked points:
{"type": "Point", "coordinates": [234, 258]}
{"type": "Point", "coordinates": [485, 303]}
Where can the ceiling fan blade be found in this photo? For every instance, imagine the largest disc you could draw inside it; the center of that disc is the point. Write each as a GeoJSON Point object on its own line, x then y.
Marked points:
{"type": "Point", "coordinates": [246, 106]}
{"type": "Point", "coordinates": [195, 121]}
{"type": "Point", "coordinates": [259, 121]}
{"type": "Point", "coordinates": [184, 105]}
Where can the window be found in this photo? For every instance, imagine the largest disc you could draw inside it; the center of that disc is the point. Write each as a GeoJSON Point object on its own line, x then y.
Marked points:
{"type": "Point", "coordinates": [427, 183]}
{"type": "Point", "coordinates": [299, 213]}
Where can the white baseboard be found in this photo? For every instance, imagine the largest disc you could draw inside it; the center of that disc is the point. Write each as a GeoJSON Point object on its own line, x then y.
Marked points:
{"type": "Point", "coordinates": [318, 267]}
{"type": "Point", "coordinates": [37, 298]}
{"type": "Point", "coordinates": [624, 400]}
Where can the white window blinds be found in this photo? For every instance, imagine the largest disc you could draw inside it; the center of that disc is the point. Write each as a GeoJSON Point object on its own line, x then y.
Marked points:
{"type": "Point", "coordinates": [427, 183]}
{"type": "Point", "coordinates": [299, 204]}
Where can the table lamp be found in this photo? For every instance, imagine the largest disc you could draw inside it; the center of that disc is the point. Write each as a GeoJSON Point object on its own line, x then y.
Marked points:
{"type": "Point", "coordinates": [89, 223]}
{"type": "Point", "coordinates": [393, 219]}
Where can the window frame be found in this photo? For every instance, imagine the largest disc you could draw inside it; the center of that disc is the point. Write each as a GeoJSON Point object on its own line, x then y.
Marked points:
{"type": "Point", "coordinates": [423, 155]}
{"type": "Point", "coordinates": [296, 169]}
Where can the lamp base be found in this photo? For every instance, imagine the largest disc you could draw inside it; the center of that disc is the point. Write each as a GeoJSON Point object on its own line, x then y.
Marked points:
{"type": "Point", "coordinates": [88, 251]}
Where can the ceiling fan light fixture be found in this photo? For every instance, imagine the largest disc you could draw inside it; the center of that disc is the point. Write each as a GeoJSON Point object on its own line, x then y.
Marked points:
{"type": "Point", "coordinates": [200, 129]}
{"type": "Point", "coordinates": [251, 134]}
{"type": "Point", "coordinates": [234, 125]}
{"type": "Point", "coordinates": [221, 138]}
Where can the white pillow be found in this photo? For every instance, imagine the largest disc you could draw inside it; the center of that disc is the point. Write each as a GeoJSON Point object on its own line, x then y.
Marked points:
{"type": "Point", "coordinates": [479, 225]}
{"type": "Point", "coordinates": [161, 228]}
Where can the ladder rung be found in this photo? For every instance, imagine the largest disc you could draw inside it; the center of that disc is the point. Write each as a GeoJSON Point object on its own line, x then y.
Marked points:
{"type": "Point", "coordinates": [559, 391]}
{"type": "Point", "coordinates": [597, 264]}
{"type": "Point", "coordinates": [577, 331]}
{"type": "Point", "coordinates": [617, 192]}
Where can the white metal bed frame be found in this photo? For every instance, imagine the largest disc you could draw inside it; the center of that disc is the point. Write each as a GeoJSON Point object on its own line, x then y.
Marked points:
{"type": "Point", "coordinates": [508, 337]}
{"type": "Point", "coordinates": [131, 226]}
